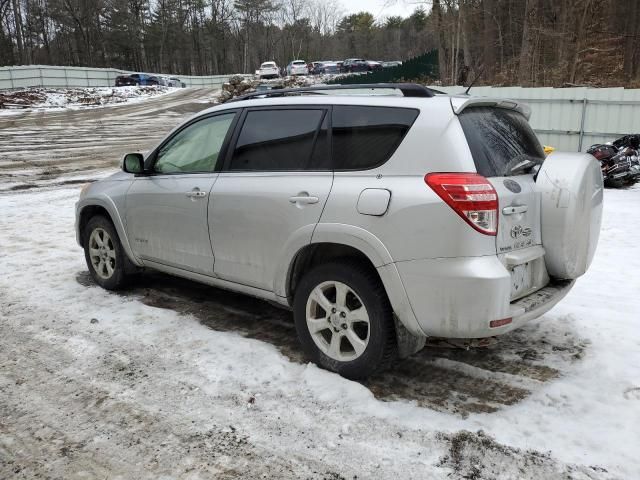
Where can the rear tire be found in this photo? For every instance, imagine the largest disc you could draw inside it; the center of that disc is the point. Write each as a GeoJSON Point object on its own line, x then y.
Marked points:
{"type": "Point", "coordinates": [103, 252]}
{"type": "Point", "coordinates": [344, 319]}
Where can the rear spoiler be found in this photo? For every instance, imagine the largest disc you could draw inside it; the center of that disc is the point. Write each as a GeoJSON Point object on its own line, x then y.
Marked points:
{"type": "Point", "coordinates": [459, 103]}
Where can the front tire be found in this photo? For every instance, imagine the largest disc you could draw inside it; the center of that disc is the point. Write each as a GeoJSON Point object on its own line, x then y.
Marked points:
{"type": "Point", "coordinates": [104, 254]}
{"type": "Point", "coordinates": [344, 319]}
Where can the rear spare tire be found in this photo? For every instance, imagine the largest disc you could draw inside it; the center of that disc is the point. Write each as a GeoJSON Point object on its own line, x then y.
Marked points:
{"type": "Point", "coordinates": [571, 212]}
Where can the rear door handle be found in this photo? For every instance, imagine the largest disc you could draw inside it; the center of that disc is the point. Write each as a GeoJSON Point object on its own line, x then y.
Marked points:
{"type": "Point", "coordinates": [305, 199]}
{"type": "Point", "coordinates": [196, 193]}
{"type": "Point", "coordinates": [514, 209]}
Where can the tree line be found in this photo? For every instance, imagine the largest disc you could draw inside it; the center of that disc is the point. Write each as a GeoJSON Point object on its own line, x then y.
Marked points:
{"type": "Point", "coordinates": [502, 42]}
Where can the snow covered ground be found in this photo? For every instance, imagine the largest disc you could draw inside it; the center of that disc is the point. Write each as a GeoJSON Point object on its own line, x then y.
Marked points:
{"type": "Point", "coordinates": [40, 99]}
{"type": "Point", "coordinates": [172, 379]}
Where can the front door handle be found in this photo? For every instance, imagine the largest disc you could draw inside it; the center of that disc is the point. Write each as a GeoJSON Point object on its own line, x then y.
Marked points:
{"type": "Point", "coordinates": [196, 193]}
{"type": "Point", "coordinates": [514, 209]}
{"type": "Point", "coordinates": [304, 199]}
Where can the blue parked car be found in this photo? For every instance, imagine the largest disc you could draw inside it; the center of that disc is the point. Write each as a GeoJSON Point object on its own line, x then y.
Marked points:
{"type": "Point", "coordinates": [136, 79]}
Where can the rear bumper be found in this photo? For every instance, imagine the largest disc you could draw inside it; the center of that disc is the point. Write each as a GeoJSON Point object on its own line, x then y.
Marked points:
{"type": "Point", "coordinates": [458, 297]}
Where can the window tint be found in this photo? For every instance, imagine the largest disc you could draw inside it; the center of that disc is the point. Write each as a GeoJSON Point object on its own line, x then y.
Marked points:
{"type": "Point", "coordinates": [501, 141]}
{"type": "Point", "coordinates": [366, 137]}
{"type": "Point", "coordinates": [273, 140]}
{"type": "Point", "coordinates": [196, 148]}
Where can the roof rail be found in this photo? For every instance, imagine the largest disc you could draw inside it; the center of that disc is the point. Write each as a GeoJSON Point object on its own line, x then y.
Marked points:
{"type": "Point", "coordinates": [407, 89]}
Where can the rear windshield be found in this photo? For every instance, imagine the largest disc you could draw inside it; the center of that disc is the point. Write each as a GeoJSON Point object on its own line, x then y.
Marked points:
{"type": "Point", "coordinates": [502, 142]}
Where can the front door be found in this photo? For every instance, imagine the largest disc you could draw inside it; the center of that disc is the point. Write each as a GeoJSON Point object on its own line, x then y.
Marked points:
{"type": "Point", "coordinates": [166, 218]}
{"type": "Point", "coordinates": [273, 189]}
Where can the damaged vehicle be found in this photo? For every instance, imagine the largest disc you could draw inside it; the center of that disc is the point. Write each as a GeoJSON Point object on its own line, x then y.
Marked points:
{"type": "Point", "coordinates": [379, 220]}
{"type": "Point", "coordinates": [619, 160]}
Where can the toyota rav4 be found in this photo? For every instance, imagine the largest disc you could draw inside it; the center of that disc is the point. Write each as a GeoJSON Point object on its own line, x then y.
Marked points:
{"type": "Point", "coordinates": [380, 220]}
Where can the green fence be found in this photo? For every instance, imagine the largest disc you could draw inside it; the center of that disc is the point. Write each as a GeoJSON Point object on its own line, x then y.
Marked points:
{"type": "Point", "coordinates": [423, 67]}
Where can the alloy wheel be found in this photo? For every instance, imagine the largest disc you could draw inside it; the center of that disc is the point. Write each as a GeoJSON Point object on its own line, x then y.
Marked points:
{"type": "Point", "coordinates": [337, 321]}
{"type": "Point", "coordinates": [102, 253]}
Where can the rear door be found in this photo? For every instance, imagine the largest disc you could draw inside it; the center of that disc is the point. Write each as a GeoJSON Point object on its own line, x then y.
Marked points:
{"type": "Point", "coordinates": [272, 191]}
{"type": "Point", "coordinates": [507, 152]}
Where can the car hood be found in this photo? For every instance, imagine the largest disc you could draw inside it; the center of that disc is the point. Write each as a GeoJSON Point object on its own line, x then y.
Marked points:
{"type": "Point", "coordinates": [117, 176]}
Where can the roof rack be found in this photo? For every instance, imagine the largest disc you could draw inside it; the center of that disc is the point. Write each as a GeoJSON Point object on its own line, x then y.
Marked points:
{"type": "Point", "coordinates": [407, 89]}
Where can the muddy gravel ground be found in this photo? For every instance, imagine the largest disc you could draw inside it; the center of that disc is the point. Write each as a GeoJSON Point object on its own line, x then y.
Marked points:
{"type": "Point", "coordinates": [53, 148]}
{"type": "Point", "coordinates": [173, 379]}
{"type": "Point", "coordinates": [447, 376]}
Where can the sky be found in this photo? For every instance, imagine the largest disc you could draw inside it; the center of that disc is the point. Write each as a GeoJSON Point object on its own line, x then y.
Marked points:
{"type": "Point", "coordinates": [381, 8]}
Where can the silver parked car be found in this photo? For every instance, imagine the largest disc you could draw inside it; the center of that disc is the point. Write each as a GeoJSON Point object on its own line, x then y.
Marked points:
{"type": "Point", "coordinates": [298, 67]}
{"type": "Point", "coordinates": [379, 220]}
{"type": "Point", "coordinates": [176, 82]}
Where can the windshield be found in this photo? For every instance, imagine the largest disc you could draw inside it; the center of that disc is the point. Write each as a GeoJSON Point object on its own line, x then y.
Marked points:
{"type": "Point", "coordinates": [298, 62]}
{"type": "Point", "coordinates": [501, 141]}
{"type": "Point", "coordinates": [268, 65]}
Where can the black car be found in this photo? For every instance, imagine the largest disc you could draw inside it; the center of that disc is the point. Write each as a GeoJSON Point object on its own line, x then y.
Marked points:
{"type": "Point", "coordinates": [353, 65]}
{"type": "Point", "coordinates": [125, 81]}
{"type": "Point", "coordinates": [325, 67]}
{"type": "Point", "coordinates": [372, 65]}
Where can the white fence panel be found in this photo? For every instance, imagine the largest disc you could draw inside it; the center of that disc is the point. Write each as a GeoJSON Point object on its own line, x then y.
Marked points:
{"type": "Point", "coordinates": [54, 76]}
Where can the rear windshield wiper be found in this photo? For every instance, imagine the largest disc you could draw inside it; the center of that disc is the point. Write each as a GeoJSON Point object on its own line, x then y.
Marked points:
{"type": "Point", "coordinates": [521, 164]}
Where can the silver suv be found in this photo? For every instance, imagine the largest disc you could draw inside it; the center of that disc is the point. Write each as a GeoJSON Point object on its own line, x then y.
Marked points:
{"type": "Point", "coordinates": [379, 220]}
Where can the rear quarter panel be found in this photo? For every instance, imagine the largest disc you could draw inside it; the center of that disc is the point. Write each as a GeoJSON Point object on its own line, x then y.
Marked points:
{"type": "Point", "coordinates": [417, 224]}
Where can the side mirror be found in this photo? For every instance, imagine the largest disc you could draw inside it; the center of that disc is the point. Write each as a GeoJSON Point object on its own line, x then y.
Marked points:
{"type": "Point", "coordinates": [133, 163]}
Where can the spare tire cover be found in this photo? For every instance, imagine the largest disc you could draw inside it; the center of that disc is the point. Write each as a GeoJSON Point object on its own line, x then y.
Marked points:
{"type": "Point", "coordinates": [571, 191]}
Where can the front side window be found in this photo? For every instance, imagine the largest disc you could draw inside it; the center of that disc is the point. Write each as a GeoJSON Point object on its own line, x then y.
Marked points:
{"type": "Point", "coordinates": [196, 148]}
{"type": "Point", "coordinates": [278, 140]}
{"type": "Point", "coordinates": [366, 137]}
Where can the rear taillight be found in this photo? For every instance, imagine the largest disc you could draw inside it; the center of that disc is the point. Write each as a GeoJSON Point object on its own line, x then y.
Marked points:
{"type": "Point", "coordinates": [471, 196]}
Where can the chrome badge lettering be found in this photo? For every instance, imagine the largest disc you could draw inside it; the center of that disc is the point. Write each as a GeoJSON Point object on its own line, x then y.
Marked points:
{"type": "Point", "coordinates": [518, 231]}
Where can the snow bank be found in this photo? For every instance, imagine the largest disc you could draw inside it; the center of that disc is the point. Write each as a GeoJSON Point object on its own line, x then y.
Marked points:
{"type": "Point", "coordinates": [74, 98]}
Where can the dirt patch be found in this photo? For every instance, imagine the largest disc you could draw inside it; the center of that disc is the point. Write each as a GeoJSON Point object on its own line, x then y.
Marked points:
{"type": "Point", "coordinates": [477, 456]}
{"type": "Point", "coordinates": [28, 186]}
{"type": "Point", "coordinates": [419, 380]}
{"type": "Point", "coordinates": [59, 97]}
{"type": "Point", "coordinates": [453, 380]}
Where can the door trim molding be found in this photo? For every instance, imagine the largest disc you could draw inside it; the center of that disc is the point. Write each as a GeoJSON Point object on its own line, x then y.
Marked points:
{"type": "Point", "coordinates": [219, 283]}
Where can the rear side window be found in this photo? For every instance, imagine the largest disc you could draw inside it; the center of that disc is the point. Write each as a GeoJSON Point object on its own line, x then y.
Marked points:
{"type": "Point", "coordinates": [276, 140]}
{"type": "Point", "coordinates": [501, 141]}
{"type": "Point", "coordinates": [366, 137]}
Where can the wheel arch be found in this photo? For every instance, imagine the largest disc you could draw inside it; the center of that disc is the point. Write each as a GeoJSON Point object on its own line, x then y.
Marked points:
{"type": "Point", "coordinates": [331, 241]}
{"type": "Point", "coordinates": [99, 206]}
{"type": "Point", "coordinates": [315, 254]}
